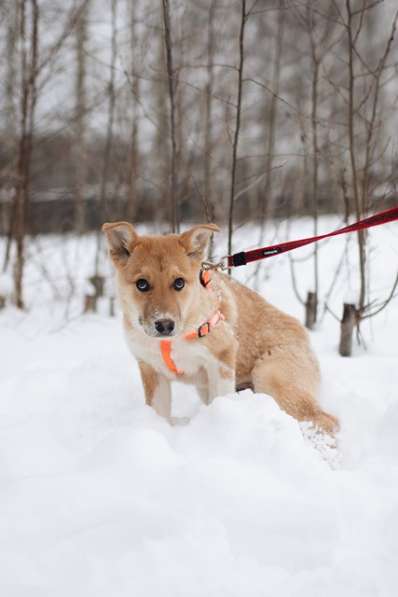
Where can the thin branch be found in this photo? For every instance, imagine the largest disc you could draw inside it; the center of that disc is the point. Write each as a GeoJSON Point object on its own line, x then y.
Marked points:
{"type": "Point", "coordinates": [390, 297]}
{"type": "Point", "coordinates": [366, 8]}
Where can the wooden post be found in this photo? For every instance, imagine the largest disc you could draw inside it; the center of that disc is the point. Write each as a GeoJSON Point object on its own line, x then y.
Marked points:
{"type": "Point", "coordinates": [98, 282]}
{"type": "Point", "coordinates": [112, 306]}
{"type": "Point", "coordinates": [346, 329]}
{"type": "Point", "coordinates": [311, 309]}
{"type": "Point", "coordinates": [90, 303]}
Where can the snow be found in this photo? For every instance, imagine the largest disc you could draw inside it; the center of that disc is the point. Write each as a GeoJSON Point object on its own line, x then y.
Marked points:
{"type": "Point", "coordinates": [99, 496]}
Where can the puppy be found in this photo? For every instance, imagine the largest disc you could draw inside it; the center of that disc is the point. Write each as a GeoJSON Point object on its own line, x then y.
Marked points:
{"type": "Point", "coordinates": [215, 334]}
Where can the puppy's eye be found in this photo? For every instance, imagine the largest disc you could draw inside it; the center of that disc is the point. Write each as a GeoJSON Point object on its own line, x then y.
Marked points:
{"type": "Point", "coordinates": [142, 285]}
{"type": "Point", "coordinates": [178, 284]}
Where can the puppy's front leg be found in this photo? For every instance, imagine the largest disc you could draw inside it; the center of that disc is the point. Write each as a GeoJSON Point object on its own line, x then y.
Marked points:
{"type": "Point", "coordinates": [157, 390]}
{"type": "Point", "coordinates": [221, 379]}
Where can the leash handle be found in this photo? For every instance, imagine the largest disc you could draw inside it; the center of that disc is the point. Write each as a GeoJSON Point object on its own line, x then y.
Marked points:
{"type": "Point", "coordinates": [244, 257]}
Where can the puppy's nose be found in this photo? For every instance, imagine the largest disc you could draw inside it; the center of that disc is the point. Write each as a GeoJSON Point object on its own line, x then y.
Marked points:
{"type": "Point", "coordinates": [164, 326]}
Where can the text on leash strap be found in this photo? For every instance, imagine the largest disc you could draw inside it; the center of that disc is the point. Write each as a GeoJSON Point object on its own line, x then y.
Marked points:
{"type": "Point", "coordinates": [244, 257]}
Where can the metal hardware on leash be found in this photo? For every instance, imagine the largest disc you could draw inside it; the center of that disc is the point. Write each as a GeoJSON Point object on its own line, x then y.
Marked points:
{"type": "Point", "coordinates": [221, 265]}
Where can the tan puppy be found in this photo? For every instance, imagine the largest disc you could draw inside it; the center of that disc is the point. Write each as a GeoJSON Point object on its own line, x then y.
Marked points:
{"type": "Point", "coordinates": [216, 337]}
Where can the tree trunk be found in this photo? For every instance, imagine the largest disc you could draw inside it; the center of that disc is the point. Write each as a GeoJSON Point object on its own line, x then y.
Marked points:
{"type": "Point", "coordinates": [29, 61]}
{"type": "Point", "coordinates": [271, 122]}
{"type": "Point", "coordinates": [353, 150]}
{"type": "Point", "coordinates": [106, 168]}
{"type": "Point", "coordinates": [237, 127]}
{"type": "Point", "coordinates": [10, 113]}
{"type": "Point", "coordinates": [173, 187]}
{"type": "Point", "coordinates": [208, 134]}
{"type": "Point", "coordinates": [80, 120]}
{"type": "Point", "coordinates": [90, 303]}
{"type": "Point", "coordinates": [133, 160]}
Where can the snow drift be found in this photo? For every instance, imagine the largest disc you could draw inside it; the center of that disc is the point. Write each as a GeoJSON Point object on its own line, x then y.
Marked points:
{"type": "Point", "coordinates": [100, 497]}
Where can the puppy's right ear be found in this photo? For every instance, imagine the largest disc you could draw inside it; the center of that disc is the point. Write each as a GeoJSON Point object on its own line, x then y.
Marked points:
{"type": "Point", "coordinates": [121, 238]}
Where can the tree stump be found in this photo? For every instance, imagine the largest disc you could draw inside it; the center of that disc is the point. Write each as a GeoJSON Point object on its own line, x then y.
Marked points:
{"type": "Point", "coordinates": [90, 303]}
{"type": "Point", "coordinates": [346, 329]}
{"type": "Point", "coordinates": [98, 282]}
{"type": "Point", "coordinates": [112, 306]}
{"type": "Point", "coordinates": [311, 309]}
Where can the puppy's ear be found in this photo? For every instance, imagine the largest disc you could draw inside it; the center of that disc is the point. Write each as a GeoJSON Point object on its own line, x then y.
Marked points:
{"type": "Point", "coordinates": [196, 240]}
{"type": "Point", "coordinates": [121, 238]}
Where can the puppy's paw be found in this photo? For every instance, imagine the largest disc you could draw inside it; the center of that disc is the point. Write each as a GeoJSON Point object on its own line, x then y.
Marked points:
{"type": "Point", "coordinates": [323, 442]}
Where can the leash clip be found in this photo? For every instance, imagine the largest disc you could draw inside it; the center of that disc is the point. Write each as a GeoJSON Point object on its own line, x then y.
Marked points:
{"type": "Point", "coordinates": [221, 265]}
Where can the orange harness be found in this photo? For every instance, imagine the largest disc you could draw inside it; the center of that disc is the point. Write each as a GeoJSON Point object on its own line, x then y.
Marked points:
{"type": "Point", "coordinates": [203, 330]}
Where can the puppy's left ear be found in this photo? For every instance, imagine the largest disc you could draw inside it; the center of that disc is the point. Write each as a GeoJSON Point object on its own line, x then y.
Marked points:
{"type": "Point", "coordinates": [196, 240]}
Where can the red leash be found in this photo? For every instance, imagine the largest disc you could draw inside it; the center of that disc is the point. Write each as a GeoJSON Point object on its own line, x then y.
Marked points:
{"type": "Point", "coordinates": [383, 217]}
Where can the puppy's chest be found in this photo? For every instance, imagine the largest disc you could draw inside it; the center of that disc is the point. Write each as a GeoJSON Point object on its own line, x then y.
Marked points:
{"type": "Point", "coordinates": [189, 356]}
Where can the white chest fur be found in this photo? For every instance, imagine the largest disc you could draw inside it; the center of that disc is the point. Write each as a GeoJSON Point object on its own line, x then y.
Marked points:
{"type": "Point", "coordinates": [190, 356]}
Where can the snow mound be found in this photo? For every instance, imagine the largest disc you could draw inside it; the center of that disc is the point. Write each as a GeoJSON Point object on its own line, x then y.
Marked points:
{"type": "Point", "coordinates": [101, 497]}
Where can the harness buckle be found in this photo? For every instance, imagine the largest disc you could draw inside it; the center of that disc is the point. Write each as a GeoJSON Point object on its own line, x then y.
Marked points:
{"type": "Point", "coordinates": [204, 329]}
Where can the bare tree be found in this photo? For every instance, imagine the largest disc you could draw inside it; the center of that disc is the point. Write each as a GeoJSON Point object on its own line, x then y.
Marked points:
{"type": "Point", "coordinates": [10, 14]}
{"type": "Point", "coordinates": [271, 117]}
{"type": "Point", "coordinates": [80, 118]}
{"type": "Point", "coordinates": [172, 83]}
{"type": "Point", "coordinates": [235, 143]}
{"type": "Point", "coordinates": [319, 29]}
{"type": "Point", "coordinates": [97, 279]}
{"type": "Point", "coordinates": [311, 306]}
{"type": "Point", "coordinates": [217, 98]}
{"type": "Point", "coordinates": [29, 42]}
{"type": "Point", "coordinates": [11, 20]}
{"type": "Point", "coordinates": [208, 126]}
{"type": "Point", "coordinates": [363, 111]}
{"type": "Point", "coordinates": [133, 162]}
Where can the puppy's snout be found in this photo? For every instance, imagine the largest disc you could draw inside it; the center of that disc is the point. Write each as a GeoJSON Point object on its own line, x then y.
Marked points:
{"type": "Point", "coordinates": [164, 327]}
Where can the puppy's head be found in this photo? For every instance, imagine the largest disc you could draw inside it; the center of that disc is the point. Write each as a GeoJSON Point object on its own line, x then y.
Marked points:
{"type": "Point", "coordinates": [158, 276]}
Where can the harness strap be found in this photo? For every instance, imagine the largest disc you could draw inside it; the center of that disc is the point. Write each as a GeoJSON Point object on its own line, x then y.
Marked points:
{"type": "Point", "coordinates": [165, 348]}
{"type": "Point", "coordinates": [202, 330]}
{"type": "Point", "coordinates": [205, 278]}
{"type": "Point", "coordinates": [206, 327]}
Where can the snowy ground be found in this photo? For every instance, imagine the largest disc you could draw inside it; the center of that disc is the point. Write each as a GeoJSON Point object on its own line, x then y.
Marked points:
{"type": "Point", "coordinates": [99, 497]}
